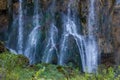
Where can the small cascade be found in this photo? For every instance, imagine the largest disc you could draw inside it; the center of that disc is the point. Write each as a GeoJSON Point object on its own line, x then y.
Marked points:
{"type": "Point", "coordinates": [31, 49]}
{"type": "Point", "coordinates": [15, 38]}
{"type": "Point", "coordinates": [20, 29]}
{"type": "Point", "coordinates": [50, 48]}
{"type": "Point", "coordinates": [69, 28]}
{"type": "Point", "coordinates": [91, 44]}
{"type": "Point", "coordinates": [87, 47]}
{"type": "Point", "coordinates": [36, 14]}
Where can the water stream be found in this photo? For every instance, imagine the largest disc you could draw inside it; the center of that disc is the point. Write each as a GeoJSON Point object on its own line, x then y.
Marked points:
{"type": "Point", "coordinates": [55, 46]}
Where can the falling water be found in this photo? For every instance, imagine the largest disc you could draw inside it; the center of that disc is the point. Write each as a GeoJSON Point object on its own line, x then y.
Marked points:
{"type": "Point", "coordinates": [36, 14]}
{"type": "Point", "coordinates": [31, 49]}
{"type": "Point", "coordinates": [20, 29]}
{"type": "Point", "coordinates": [91, 46]}
{"type": "Point", "coordinates": [117, 2]}
{"type": "Point", "coordinates": [57, 45]}
{"type": "Point", "coordinates": [87, 48]}
{"type": "Point", "coordinates": [70, 28]}
{"type": "Point", "coordinates": [51, 49]}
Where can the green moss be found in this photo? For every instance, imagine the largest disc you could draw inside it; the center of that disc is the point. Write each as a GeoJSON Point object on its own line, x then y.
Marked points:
{"type": "Point", "coordinates": [12, 60]}
{"type": "Point", "coordinates": [15, 67]}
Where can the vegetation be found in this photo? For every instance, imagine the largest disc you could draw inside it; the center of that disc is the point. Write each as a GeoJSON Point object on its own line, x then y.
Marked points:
{"type": "Point", "coordinates": [16, 67]}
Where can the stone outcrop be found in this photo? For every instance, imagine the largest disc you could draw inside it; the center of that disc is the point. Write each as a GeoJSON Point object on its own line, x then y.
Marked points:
{"type": "Point", "coordinates": [3, 4]}
{"type": "Point", "coordinates": [2, 47]}
{"type": "Point", "coordinates": [116, 32]}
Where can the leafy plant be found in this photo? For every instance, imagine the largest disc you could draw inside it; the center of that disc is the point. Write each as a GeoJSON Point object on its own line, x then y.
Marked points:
{"type": "Point", "coordinates": [15, 67]}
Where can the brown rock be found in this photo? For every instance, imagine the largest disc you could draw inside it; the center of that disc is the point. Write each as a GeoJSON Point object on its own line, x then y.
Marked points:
{"type": "Point", "coordinates": [2, 47]}
{"type": "Point", "coordinates": [117, 56]}
{"type": "Point", "coordinates": [3, 4]}
{"type": "Point", "coordinates": [3, 23]}
{"type": "Point", "coordinates": [116, 33]}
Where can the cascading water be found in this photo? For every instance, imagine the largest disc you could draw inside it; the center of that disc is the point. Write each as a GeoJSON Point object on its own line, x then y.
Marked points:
{"type": "Point", "coordinates": [20, 29]}
{"type": "Point", "coordinates": [117, 1]}
{"type": "Point", "coordinates": [91, 44]}
{"type": "Point", "coordinates": [87, 48]}
{"type": "Point", "coordinates": [55, 46]}
{"type": "Point", "coordinates": [15, 38]}
{"type": "Point", "coordinates": [51, 49]}
{"type": "Point", "coordinates": [70, 28]}
{"type": "Point", "coordinates": [33, 38]}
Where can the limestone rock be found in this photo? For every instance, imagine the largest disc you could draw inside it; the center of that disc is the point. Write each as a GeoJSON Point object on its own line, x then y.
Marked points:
{"type": "Point", "coordinates": [116, 32]}
{"type": "Point", "coordinates": [3, 4]}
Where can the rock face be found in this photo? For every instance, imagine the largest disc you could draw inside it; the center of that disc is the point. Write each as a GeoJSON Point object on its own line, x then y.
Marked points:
{"type": "Point", "coordinates": [108, 32]}
{"type": "Point", "coordinates": [2, 47]}
{"type": "Point", "coordinates": [3, 19]}
{"type": "Point", "coordinates": [3, 4]}
{"type": "Point", "coordinates": [109, 37]}
{"type": "Point", "coordinates": [116, 32]}
{"type": "Point", "coordinates": [3, 23]}
{"type": "Point", "coordinates": [3, 26]}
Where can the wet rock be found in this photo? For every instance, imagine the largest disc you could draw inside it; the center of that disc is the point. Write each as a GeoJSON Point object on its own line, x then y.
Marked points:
{"type": "Point", "coordinates": [3, 26]}
{"type": "Point", "coordinates": [108, 59]}
{"type": "Point", "coordinates": [3, 4]}
{"type": "Point", "coordinates": [3, 18]}
{"type": "Point", "coordinates": [22, 60]}
{"type": "Point", "coordinates": [3, 23]}
{"type": "Point", "coordinates": [116, 33]}
{"type": "Point", "coordinates": [2, 47]}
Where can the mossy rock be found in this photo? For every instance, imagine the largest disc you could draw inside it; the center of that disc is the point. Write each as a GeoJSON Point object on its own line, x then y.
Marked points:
{"type": "Point", "coordinates": [2, 47]}
{"type": "Point", "coordinates": [9, 61]}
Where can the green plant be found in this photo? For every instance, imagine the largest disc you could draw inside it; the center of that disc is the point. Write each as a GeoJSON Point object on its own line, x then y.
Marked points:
{"type": "Point", "coordinates": [15, 67]}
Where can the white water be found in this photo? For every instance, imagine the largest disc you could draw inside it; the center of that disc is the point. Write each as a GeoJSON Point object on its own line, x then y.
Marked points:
{"type": "Point", "coordinates": [20, 29]}
{"type": "Point", "coordinates": [36, 14]}
{"type": "Point", "coordinates": [50, 48]}
{"type": "Point", "coordinates": [91, 46]}
{"type": "Point", "coordinates": [70, 28]}
{"type": "Point", "coordinates": [31, 51]}
{"type": "Point", "coordinates": [87, 48]}
{"type": "Point", "coordinates": [87, 45]}
{"type": "Point", "coordinates": [117, 2]}
{"type": "Point", "coordinates": [31, 45]}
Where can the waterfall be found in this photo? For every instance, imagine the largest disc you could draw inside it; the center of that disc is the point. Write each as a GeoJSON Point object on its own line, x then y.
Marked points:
{"type": "Point", "coordinates": [50, 48]}
{"type": "Point", "coordinates": [49, 40]}
{"type": "Point", "coordinates": [36, 14]}
{"type": "Point", "coordinates": [70, 28]}
{"type": "Point", "coordinates": [20, 29]}
{"type": "Point", "coordinates": [91, 46]}
{"type": "Point", "coordinates": [87, 48]}
{"type": "Point", "coordinates": [117, 2]}
{"type": "Point", "coordinates": [31, 49]}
